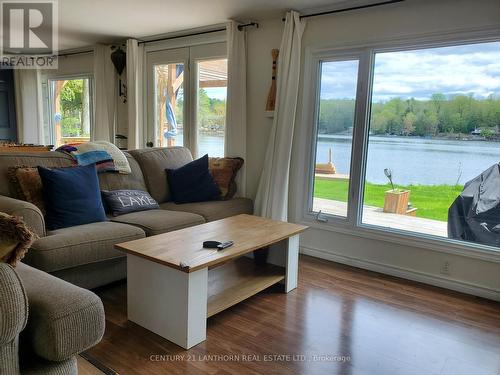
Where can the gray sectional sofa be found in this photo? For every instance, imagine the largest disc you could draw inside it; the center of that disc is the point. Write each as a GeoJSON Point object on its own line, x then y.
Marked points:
{"type": "Point", "coordinates": [84, 255]}
{"type": "Point", "coordinates": [64, 319]}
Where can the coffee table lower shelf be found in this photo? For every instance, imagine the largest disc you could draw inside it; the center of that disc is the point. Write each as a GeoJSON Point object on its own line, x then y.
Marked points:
{"type": "Point", "coordinates": [238, 280]}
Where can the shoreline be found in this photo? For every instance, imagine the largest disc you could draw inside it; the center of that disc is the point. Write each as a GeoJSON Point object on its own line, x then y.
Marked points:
{"type": "Point", "coordinates": [446, 137]}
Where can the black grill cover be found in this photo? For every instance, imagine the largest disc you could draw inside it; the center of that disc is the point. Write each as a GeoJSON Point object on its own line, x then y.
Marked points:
{"type": "Point", "coordinates": [475, 214]}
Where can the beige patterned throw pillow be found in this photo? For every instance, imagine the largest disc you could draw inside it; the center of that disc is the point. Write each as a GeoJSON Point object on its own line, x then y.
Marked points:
{"type": "Point", "coordinates": [224, 171]}
{"type": "Point", "coordinates": [28, 185]}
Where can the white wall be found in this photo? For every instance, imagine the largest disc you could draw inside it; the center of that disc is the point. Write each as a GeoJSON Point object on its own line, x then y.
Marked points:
{"type": "Point", "coordinates": [413, 18]}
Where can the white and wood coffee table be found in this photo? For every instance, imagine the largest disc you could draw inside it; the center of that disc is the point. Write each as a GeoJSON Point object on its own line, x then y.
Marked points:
{"type": "Point", "coordinates": [175, 301]}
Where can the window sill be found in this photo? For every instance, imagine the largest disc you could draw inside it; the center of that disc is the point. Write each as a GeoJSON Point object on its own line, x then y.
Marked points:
{"type": "Point", "coordinates": [470, 250]}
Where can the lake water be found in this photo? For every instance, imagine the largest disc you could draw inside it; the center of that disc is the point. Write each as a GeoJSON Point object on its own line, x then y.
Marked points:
{"type": "Point", "coordinates": [414, 160]}
{"type": "Point", "coordinates": [207, 144]}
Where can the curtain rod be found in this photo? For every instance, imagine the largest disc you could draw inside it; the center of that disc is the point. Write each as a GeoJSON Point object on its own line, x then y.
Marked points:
{"type": "Point", "coordinates": [351, 8]}
{"type": "Point", "coordinates": [240, 27]}
{"type": "Point", "coordinates": [181, 36]}
{"type": "Point", "coordinates": [75, 53]}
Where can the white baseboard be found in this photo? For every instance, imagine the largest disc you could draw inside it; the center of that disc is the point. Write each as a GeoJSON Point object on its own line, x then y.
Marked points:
{"type": "Point", "coordinates": [413, 275]}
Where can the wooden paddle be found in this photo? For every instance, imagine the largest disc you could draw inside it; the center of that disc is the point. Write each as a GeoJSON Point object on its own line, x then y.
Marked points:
{"type": "Point", "coordinates": [271, 98]}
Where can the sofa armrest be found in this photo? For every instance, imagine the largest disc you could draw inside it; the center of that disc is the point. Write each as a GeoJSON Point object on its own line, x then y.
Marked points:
{"type": "Point", "coordinates": [64, 319]}
{"type": "Point", "coordinates": [28, 212]}
{"type": "Point", "coordinates": [13, 318]}
{"type": "Point", "coordinates": [13, 304]}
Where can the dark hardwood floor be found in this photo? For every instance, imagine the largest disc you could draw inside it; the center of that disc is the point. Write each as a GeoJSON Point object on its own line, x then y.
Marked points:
{"type": "Point", "coordinates": [378, 324]}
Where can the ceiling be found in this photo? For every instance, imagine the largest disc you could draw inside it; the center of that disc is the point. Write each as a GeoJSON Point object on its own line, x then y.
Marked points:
{"type": "Point", "coordinates": [87, 22]}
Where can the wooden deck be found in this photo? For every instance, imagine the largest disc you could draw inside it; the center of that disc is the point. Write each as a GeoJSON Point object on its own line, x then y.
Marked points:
{"type": "Point", "coordinates": [335, 176]}
{"type": "Point", "coordinates": [375, 216]}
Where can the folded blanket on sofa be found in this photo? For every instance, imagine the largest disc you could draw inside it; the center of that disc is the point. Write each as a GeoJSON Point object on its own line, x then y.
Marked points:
{"type": "Point", "coordinates": [105, 155]}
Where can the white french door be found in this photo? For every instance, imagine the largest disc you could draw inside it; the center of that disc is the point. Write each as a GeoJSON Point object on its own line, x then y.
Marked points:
{"type": "Point", "coordinates": [186, 98]}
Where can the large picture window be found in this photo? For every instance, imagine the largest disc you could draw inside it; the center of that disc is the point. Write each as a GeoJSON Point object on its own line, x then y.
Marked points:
{"type": "Point", "coordinates": [430, 141]}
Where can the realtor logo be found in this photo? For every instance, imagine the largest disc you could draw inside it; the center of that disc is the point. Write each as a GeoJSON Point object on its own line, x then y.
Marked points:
{"type": "Point", "coordinates": [29, 34]}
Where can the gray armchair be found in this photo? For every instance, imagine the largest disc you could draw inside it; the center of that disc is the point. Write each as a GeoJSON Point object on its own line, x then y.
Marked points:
{"type": "Point", "coordinates": [44, 322]}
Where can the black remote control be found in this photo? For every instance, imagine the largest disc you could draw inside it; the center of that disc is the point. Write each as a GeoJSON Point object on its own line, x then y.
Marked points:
{"type": "Point", "coordinates": [211, 244]}
{"type": "Point", "coordinates": [224, 245]}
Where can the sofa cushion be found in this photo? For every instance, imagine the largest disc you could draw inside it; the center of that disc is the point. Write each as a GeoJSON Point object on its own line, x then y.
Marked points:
{"type": "Point", "coordinates": [154, 161]}
{"type": "Point", "coordinates": [119, 181]}
{"type": "Point", "coordinates": [160, 221]}
{"type": "Point", "coordinates": [63, 319]}
{"type": "Point", "coordinates": [214, 210]}
{"type": "Point", "coordinates": [82, 244]}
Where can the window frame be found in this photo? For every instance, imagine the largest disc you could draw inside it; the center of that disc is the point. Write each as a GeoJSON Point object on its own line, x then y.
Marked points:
{"type": "Point", "coordinates": [50, 101]}
{"type": "Point", "coordinates": [353, 225]}
{"type": "Point", "coordinates": [197, 54]}
{"type": "Point", "coordinates": [354, 55]}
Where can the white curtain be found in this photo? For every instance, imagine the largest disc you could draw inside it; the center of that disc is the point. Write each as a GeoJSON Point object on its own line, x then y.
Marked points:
{"type": "Point", "coordinates": [236, 126]}
{"type": "Point", "coordinates": [135, 78]}
{"type": "Point", "coordinates": [272, 193]}
{"type": "Point", "coordinates": [29, 105]}
{"type": "Point", "coordinates": [105, 95]}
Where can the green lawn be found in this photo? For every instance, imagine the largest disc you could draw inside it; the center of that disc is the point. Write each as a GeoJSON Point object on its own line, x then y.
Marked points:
{"type": "Point", "coordinates": [432, 201]}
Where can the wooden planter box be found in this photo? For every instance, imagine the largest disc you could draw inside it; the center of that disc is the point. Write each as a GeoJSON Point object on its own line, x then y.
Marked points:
{"type": "Point", "coordinates": [396, 202]}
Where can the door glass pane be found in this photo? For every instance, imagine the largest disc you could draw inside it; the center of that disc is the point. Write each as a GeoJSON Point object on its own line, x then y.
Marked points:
{"type": "Point", "coordinates": [71, 112]}
{"type": "Point", "coordinates": [435, 126]}
{"type": "Point", "coordinates": [336, 108]}
{"type": "Point", "coordinates": [211, 106]}
{"type": "Point", "coordinates": [169, 104]}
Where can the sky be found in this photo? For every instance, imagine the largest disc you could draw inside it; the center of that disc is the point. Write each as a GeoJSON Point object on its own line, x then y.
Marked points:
{"type": "Point", "coordinates": [471, 69]}
{"type": "Point", "coordinates": [216, 92]}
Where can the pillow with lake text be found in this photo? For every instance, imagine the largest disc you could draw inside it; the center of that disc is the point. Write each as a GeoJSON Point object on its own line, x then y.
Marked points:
{"type": "Point", "coordinates": [119, 202]}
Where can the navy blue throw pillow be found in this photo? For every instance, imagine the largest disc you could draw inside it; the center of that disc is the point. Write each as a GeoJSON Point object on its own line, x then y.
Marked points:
{"type": "Point", "coordinates": [71, 196]}
{"type": "Point", "coordinates": [193, 182]}
{"type": "Point", "coordinates": [119, 202]}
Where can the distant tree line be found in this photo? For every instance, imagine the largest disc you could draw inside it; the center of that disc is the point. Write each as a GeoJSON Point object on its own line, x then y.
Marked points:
{"type": "Point", "coordinates": [211, 112]}
{"type": "Point", "coordinates": [439, 115]}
